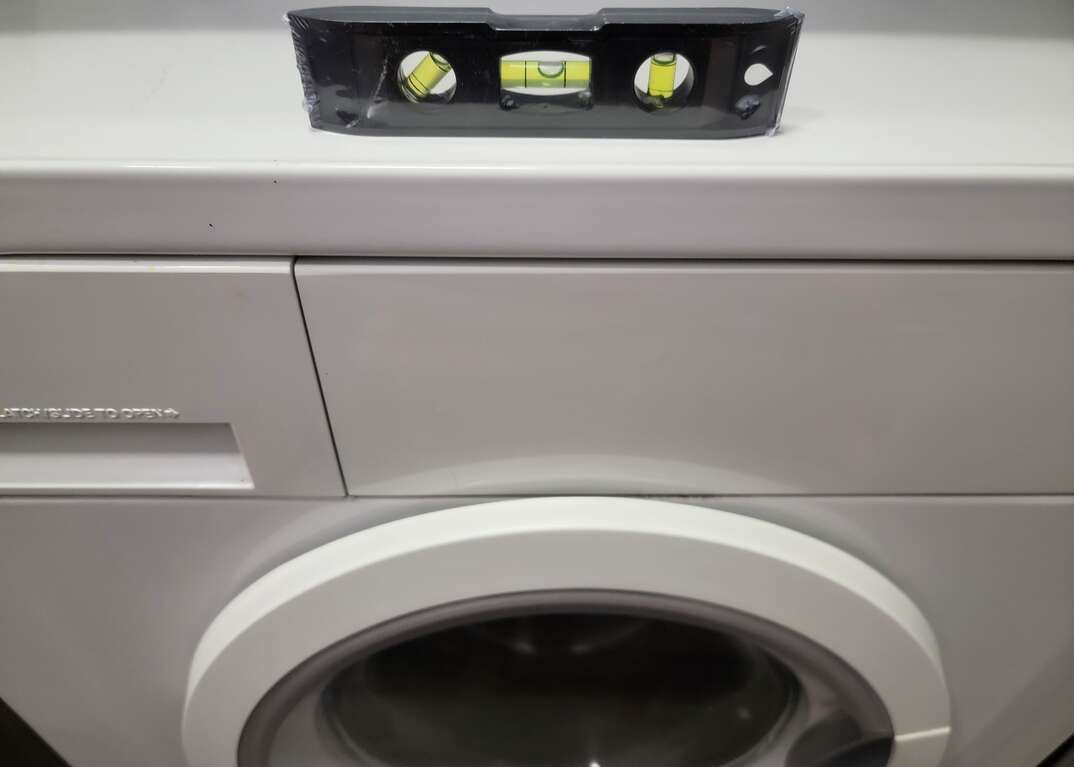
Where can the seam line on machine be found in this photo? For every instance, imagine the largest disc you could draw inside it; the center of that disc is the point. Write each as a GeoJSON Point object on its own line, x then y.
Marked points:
{"type": "Point", "coordinates": [317, 376]}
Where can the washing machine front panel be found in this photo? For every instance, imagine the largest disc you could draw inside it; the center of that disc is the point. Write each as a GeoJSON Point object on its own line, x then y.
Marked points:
{"type": "Point", "coordinates": [158, 376]}
{"type": "Point", "coordinates": [100, 670]}
{"type": "Point", "coordinates": [297, 666]}
{"type": "Point", "coordinates": [530, 378]}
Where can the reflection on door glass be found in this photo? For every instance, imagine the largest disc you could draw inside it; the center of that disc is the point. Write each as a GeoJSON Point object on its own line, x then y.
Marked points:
{"type": "Point", "coordinates": [562, 689]}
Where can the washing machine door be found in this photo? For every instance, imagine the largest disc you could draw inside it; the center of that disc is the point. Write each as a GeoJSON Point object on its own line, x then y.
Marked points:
{"type": "Point", "coordinates": [563, 632]}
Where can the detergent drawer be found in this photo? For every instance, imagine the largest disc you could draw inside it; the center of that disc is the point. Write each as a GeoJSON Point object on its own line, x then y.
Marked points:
{"type": "Point", "coordinates": [168, 376]}
{"type": "Point", "coordinates": [463, 377]}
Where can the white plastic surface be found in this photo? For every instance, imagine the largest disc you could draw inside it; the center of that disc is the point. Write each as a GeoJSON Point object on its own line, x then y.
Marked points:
{"type": "Point", "coordinates": [516, 546]}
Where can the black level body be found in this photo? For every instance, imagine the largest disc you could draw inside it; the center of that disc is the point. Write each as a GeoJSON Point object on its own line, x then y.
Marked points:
{"type": "Point", "coordinates": [350, 57]}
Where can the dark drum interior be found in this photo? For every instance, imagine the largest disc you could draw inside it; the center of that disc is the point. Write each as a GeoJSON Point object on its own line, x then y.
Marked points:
{"type": "Point", "coordinates": [562, 689]}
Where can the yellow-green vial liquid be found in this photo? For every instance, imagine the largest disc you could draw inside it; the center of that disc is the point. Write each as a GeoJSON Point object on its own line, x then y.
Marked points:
{"type": "Point", "coordinates": [521, 75]}
{"type": "Point", "coordinates": [662, 68]}
{"type": "Point", "coordinates": [426, 76]}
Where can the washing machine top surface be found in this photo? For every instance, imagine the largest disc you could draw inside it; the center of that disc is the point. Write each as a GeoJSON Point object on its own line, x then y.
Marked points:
{"type": "Point", "coordinates": [874, 119]}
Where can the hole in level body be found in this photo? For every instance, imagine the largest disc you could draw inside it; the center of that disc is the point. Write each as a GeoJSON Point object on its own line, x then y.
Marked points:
{"type": "Point", "coordinates": [756, 74]}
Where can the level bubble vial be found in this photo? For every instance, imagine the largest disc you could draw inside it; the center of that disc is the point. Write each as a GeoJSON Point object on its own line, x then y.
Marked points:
{"type": "Point", "coordinates": [427, 77]}
{"type": "Point", "coordinates": [664, 81]}
{"type": "Point", "coordinates": [548, 78]}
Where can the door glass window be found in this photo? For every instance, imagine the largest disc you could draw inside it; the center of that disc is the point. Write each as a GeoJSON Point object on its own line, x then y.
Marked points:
{"type": "Point", "coordinates": [561, 690]}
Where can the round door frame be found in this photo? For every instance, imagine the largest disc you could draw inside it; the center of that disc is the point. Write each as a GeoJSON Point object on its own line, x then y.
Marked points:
{"type": "Point", "coordinates": [546, 544]}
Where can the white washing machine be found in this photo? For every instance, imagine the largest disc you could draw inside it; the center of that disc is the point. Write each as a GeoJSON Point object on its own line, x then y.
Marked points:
{"type": "Point", "coordinates": [341, 451]}
{"type": "Point", "coordinates": [583, 513]}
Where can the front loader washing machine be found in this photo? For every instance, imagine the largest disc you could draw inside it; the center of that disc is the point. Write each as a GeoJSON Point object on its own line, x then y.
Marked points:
{"type": "Point", "coordinates": [332, 435]}
{"type": "Point", "coordinates": [523, 542]}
